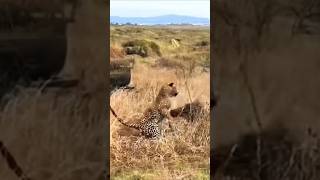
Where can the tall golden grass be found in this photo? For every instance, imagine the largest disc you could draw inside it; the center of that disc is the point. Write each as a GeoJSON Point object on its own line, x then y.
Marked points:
{"type": "Point", "coordinates": [59, 134]}
{"type": "Point", "coordinates": [187, 147]}
{"type": "Point", "coordinates": [282, 71]}
{"type": "Point", "coordinates": [54, 135]}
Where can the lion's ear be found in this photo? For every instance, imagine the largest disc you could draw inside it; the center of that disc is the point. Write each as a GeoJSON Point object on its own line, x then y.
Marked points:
{"type": "Point", "coordinates": [170, 84]}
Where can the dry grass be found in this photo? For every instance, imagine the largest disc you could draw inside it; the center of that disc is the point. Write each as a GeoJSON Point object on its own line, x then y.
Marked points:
{"type": "Point", "coordinates": [59, 134]}
{"type": "Point", "coordinates": [54, 136]}
{"type": "Point", "coordinates": [185, 148]}
{"type": "Point", "coordinates": [116, 52]}
{"type": "Point", "coordinates": [282, 76]}
{"type": "Point", "coordinates": [282, 157]}
{"type": "Point", "coordinates": [284, 83]}
{"type": "Point", "coordinates": [181, 153]}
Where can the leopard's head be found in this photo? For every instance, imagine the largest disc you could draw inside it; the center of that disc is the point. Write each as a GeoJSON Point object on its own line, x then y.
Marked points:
{"type": "Point", "coordinates": [169, 90]}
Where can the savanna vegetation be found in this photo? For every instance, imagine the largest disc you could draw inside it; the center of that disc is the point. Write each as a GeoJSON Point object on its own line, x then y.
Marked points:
{"type": "Point", "coordinates": [60, 133]}
{"type": "Point", "coordinates": [162, 54]}
{"type": "Point", "coordinates": [266, 67]}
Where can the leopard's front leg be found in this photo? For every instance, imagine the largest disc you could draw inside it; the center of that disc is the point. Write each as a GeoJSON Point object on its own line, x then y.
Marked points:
{"type": "Point", "coordinates": [167, 115]}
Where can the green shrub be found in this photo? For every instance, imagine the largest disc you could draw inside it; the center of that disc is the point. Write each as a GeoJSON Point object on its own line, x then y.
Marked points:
{"type": "Point", "coordinates": [142, 47]}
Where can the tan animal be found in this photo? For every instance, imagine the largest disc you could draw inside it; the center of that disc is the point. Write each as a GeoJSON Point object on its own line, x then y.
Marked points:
{"type": "Point", "coordinates": [154, 115]}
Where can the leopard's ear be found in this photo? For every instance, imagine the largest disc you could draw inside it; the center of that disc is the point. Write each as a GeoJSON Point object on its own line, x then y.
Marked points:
{"type": "Point", "coordinates": [170, 84]}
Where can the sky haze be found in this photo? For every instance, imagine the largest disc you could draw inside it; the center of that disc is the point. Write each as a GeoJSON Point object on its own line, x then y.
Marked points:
{"type": "Point", "coordinates": [150, 8]}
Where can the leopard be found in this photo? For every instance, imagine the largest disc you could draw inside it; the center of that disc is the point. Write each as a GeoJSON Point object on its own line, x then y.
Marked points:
{"type": "Point", "coordinates": [149, 123]}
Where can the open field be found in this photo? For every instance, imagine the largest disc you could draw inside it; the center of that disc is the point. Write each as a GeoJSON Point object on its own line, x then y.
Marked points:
{"type": "Point", "coordinates": [184, 152]}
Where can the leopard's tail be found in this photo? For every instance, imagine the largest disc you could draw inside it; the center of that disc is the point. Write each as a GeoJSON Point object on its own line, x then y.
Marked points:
{"type": "Point", "coordinates": [122, 121]}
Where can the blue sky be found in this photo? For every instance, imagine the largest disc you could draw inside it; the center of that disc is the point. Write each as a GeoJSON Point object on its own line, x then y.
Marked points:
{"type": "Point", "coordinates": [148, 8]}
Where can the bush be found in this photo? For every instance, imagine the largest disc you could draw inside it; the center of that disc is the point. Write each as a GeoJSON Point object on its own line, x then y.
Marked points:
{"type": "Point", "coordinates": [142, 47]}
{"type": "Point", "coordinates": [203, 43]}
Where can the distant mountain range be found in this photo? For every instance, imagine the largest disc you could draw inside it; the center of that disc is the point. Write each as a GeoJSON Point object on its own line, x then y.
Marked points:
{"type": "Point", "coordinates": [160, 20]}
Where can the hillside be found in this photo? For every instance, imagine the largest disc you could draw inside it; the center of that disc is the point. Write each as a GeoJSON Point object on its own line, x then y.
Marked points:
{"type": "Point", "coordinates": [163, 20]}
